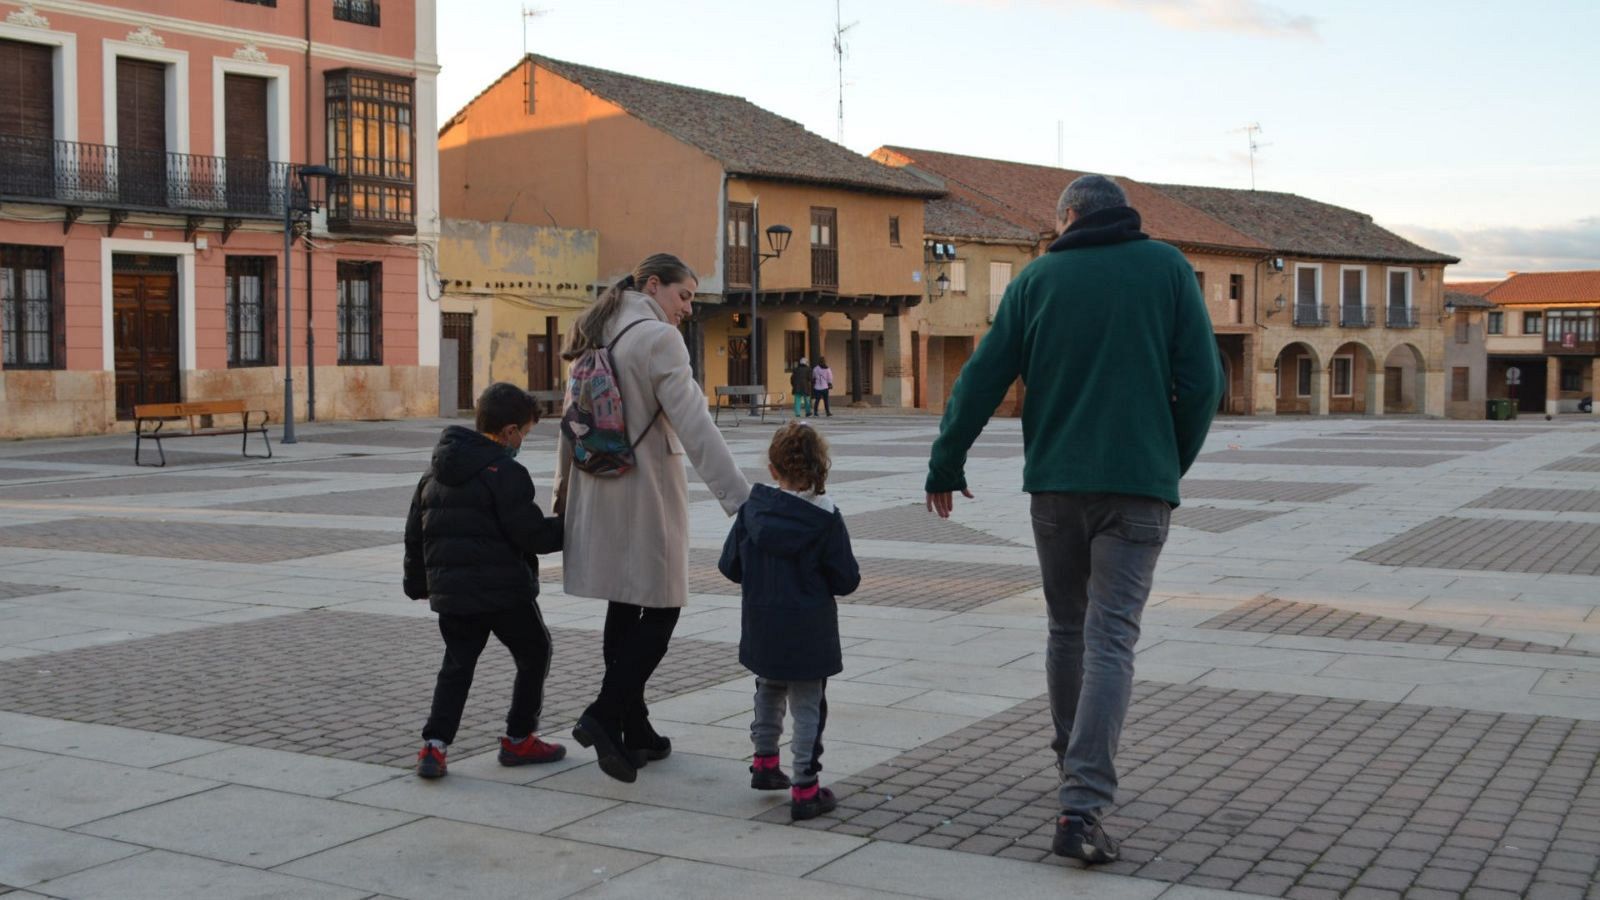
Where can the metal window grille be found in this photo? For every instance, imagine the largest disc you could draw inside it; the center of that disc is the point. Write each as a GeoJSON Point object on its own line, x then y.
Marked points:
{"type": "Point", "coordinates": [356, 314]}
{"type": "Point", "coordinates": [26, 327]}
{"type": "Point", "coordinates": [361, 12]}
{"type": "Point", "coordinates": [246, 298]}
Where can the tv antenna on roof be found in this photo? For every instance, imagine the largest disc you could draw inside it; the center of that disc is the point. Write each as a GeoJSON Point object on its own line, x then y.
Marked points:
{"type": "Point", "coordinates": [1251, 130]}
{"type": "Point", "coordinates": [529, 12]}
{"type": "Point", "coordinates": [840, 51]}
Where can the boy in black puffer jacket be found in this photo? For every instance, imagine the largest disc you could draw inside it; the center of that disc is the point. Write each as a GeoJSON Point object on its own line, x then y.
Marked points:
{"type": "Point", "coordinates": [790, 553]}
{"type": "Point", "coordinates": [471, 537]}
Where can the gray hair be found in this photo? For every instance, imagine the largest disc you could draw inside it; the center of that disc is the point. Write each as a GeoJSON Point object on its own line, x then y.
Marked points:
{"type": "Point", "coordinates": [1089, 194]}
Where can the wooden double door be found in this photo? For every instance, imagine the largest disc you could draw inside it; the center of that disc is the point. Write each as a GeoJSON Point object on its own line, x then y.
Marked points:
{"type": "Point", "coordinates": [144, 318]}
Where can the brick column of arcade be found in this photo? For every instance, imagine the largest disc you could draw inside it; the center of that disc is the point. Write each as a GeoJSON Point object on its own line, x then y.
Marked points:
{"type": "Point", "coordinates": [897, 385]}
{"type": "Point", "coordinates": [1552, 385]}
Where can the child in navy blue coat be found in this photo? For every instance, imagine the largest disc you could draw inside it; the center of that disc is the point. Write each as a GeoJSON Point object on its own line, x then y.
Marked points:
{"type": "Point", "coordinates": [790, 553]}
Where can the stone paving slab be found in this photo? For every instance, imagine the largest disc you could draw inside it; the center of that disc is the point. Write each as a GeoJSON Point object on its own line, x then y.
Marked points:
{"type": "Point", "coordinates": [392, 502]}
{"type": "Point", "coordinates": [10, 474]}
{"type": "Point", "coordinates": [917, 450]}
{"type": "Point", "coordinates": [1495, 545]}
{"type": "Point", "coordinates": [905, 583]}
{"type": "Point", "coordinates": [8, 590]}
{"type": "Point", "coordinates": [913, 523]}
{"type": "Point", "coordinates": [1316, 458]}
{"type": "Point", "coordinates": [160, 875]}
{"type": "Point", "coordinates": [1579, 463]}
{"type": "Point", "coordinates": [410, 438]}
{"type": "Point", "coordinates": [1284, 491]}
{"type": "Point", "coordinates": [145, 485]}
{"type": "Point", "coordinates": [1544, 499]}
{"type": "Point", "coordinates": [1268, 793]}
{"type": "Point", "coordinates": [1217, 519]}
{"type": "Point", "coordinates": [401, 464]}
{"type": "Point", "coordinates": [1384, 443]}
{"type": "Point", "coordinates": [345, 685]}
{"type": "Point", "coordinates": [1594, 449]}
{"type": "Point", "coordinates": [185, 540]}
{"type": "Point", "coordinates": [198, 451]}
{"type": "Point", "coordinates": [1268, 615]}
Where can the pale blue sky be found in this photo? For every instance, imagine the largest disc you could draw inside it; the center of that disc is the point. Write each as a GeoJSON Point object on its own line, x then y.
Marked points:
{"type": "Point", "coordinates": [1469, 126]}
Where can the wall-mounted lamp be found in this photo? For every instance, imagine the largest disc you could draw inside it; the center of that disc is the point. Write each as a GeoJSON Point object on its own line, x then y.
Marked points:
{"type": "Point", "coordinates": [939, 251]}
{"type": "Point", "coordinates": [941, 285]}
{"type": "Point", "coordinates": [1277, 264]}
{"type": "Point", "coordinates": [1422, 274]}
{"type": "Point", "coordinates": [1449, 310]}
{"type": "Point", "coordinates": [1277, 304]}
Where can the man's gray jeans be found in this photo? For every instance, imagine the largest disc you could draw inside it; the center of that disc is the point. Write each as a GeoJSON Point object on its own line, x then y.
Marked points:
{"type": "Point", "coordinates": [1098, 554]}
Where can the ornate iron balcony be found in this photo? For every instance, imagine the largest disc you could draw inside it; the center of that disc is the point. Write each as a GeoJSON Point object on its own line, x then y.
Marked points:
{"type": "Point", "coordinates": [1402, 317]}
{"type": "Point", "coordinates": [361, 12]}
{"type": "Point", "coordinates": [76, 174]}
{"type": "Point", "coordinates": [1353, 316]}
{"type": "Point", "coordinates": [1312, 315]}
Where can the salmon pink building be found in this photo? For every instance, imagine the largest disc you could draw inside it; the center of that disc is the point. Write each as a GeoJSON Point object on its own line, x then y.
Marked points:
{"type": "Point", "coordinates": [147, 150]}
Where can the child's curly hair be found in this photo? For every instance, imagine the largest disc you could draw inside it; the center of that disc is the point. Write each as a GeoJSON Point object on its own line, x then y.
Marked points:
{"type": "Point", "coordinates": [800, 457]}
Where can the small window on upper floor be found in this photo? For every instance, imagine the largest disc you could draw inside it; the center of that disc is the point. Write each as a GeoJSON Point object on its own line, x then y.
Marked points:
{"type": "Point", "coordinates": [1497, 323]}
{"type": "Point", "coordinates": [894, 231]}
{"type": "Point", "coordinates": [1532, 323]}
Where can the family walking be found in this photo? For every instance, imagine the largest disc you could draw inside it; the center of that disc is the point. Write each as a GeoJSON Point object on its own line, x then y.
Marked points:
{"type": "Point", "coordinates": [1110, 334]}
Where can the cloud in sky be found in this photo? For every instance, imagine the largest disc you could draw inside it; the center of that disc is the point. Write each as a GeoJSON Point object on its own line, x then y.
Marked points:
{"type": "Point", "coordinates": [1492, 252]}
{"type": "Point", "coordinates": [1251, 17]}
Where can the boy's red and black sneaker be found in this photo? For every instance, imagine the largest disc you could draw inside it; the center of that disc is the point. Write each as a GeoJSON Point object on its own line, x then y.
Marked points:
{"type": "Point", "coordinates": [1082, 837]}
{"type": "Point", "coordinates": [430, 762]}
{"type": "Point", "coordinates": [529, 751]}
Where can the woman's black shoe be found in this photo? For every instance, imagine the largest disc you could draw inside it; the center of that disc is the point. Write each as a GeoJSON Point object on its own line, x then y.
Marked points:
{"type": "Point", "coordinates": [642, 742]}
{"type": "Point", "coordinates": [614, 761]}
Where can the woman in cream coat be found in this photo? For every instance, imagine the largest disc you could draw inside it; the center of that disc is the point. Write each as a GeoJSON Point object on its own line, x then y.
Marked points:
{"type": "Point", "coordinates": [627, 537]}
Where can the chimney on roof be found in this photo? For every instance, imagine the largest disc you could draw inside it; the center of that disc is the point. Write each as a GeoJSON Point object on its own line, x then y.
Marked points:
{"type": "Point", "coordinates": [1511, 273]}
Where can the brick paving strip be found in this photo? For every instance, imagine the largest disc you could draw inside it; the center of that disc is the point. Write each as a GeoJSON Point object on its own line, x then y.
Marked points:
{"type": "Point", "coordinates": [1386, 443]}
{"type": "Point", "coordinates": [1580, 463]}
{"type": "Point", "coordinates": [1269, 615]}
{"type": "Point", "coordinates": [1217, 519]}
{"type": "Point", "coordinates": [9, 474]}
{"type": "Point", "coordinates": [340, 684]}
{"type": "Point", "coordinates": [913, 523]}
{"type": "Point", "coordinates": [1545, 499]}
{"type": "Point", "coordinates": [1494, 545]}
{"type": "Point", "coordinates": [905, 583]}
{"type": "Point", "coordinates": [217, 451]}
{"type": "Point", "coordinates": [1271, 793]}
{"type": "Point", "coordinates": [1285, 491]}
{"type": "Point", "coordinates": [144, 485]}
{"type": "Point", "coordinates": [8, 590]}
{"type": "Point", "coordinates": [186, 540]}
{"type": "Point", "coordinates": [390, 502]}
{"type": "Point", "coordinates": [1325, 458]}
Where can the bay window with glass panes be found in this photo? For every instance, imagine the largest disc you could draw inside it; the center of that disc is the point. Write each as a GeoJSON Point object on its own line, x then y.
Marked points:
{"type": "Point", "coordinates": [372, 145]}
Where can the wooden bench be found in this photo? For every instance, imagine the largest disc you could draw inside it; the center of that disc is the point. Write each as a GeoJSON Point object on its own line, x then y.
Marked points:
{"type": "Point", "coordinates": [162, 413]}
{"type": "Point", "coordinates": [744, 397]}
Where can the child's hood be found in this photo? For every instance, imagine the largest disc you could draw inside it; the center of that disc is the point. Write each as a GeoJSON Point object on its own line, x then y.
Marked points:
{"type": "Point", "coordinates": [783, 524]}
{"type": "Point", "coordinates": [462, 453]}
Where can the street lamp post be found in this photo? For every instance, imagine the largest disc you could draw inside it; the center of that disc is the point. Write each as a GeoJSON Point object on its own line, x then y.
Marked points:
{"type": "Point", "coordinates": [778, 239]}
{"type": "Point", "coordinates": [297, 209]}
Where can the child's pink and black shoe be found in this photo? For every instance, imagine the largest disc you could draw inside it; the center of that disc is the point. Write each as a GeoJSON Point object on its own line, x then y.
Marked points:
{"type": "Point", "coordinates": [765, 775]}
{"type": "Point", "coordinates": [807, 801]}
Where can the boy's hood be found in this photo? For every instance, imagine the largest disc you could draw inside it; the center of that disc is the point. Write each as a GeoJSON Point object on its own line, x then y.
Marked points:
{"type": "Point", "coordinates": [783, 524]}
{"type": "Point", "coordinates": [462, 453]}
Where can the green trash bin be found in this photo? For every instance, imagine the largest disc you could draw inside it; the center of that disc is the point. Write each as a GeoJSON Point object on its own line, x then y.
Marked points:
{"type": "Point", "coordinates": [1511, 408]}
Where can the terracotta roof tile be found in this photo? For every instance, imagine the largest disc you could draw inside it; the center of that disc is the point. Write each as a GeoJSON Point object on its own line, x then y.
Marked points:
{"type": "Point", "coordinates": [948, 217]}
{"type": "Point", "coordinates": [1296, 226]}
{"type": "Point", "coordinates": [1476, 288]}
{"type": "Point", "coordinates": [1465, 299]}
{"type": "Point", "coordinates": [745, 138]}
{"type": "Point", "coordinates": [1549, 287]}
{"type": "Point", "coordinates": [1025, 195]}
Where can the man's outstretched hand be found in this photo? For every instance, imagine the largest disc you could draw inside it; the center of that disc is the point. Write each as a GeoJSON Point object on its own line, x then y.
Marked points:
{"type": "Point", "coordinates": [944, 501]}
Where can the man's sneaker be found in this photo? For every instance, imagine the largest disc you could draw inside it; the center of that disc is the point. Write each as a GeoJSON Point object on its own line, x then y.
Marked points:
{"type": "Point", "coordinates": [529, 751]}
{"type": "Point", "coordinates": [809, 802]}
{"type": "Point", "coordinates": [766, 776]}
{"type": "Point", "coordinates": [430, 762]}
{"type": "Point", "coordinates": [1082, 838]}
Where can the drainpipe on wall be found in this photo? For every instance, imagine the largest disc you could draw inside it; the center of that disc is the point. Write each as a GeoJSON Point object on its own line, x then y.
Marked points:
{"type": "Point", "coordinates": [311, 339]}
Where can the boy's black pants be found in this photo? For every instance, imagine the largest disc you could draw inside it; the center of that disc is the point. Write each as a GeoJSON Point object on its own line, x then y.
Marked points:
{"type": "Point", "coordinates": [523, 632]}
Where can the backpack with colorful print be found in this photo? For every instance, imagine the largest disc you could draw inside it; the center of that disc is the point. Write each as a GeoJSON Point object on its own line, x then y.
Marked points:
{"type": "Point", "coordinates": [592, 420]}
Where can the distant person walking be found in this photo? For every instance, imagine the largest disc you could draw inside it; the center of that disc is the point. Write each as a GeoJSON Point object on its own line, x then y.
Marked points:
{"type": "Point", "coordinates": [800, 385]}
{"type": "Point", "coordinates": [821, 383]}
{"type": "Point", "coordinates": [790, 553]}
{"type": "Point", "coordinates": [627, 536]}
{"type": "Point", "coordinates": [1111, 335]}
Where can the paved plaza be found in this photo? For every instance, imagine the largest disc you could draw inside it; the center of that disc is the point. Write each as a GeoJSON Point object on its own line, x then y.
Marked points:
{"type": "Point", "coordinates": [1370, 669]}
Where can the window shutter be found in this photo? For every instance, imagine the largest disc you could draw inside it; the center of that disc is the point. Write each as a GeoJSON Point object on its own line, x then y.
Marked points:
{"type": "Point", "coordinates": [375, 278]}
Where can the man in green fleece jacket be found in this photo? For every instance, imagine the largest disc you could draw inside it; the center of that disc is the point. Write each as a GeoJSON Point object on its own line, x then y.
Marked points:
{"type": "Point", "coordinates": [1110, 335]}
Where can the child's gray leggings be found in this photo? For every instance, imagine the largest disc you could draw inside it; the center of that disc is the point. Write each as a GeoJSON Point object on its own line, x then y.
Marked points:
{"type": "Point", "coordinates": [809, 703]}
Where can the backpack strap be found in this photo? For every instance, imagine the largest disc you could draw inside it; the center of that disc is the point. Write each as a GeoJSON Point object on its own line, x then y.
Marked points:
{"type": "Point", "coordinates": [625, 329]}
